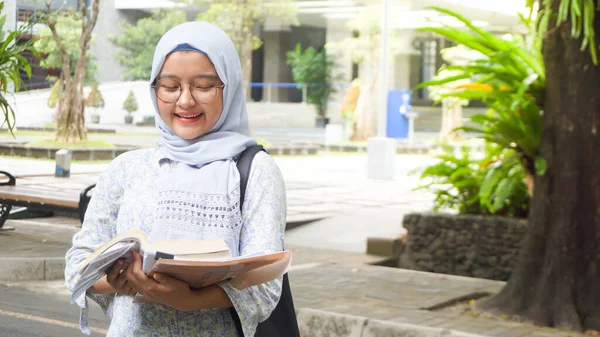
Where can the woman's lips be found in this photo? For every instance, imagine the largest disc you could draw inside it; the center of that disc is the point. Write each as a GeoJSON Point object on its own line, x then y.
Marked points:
{"type": "Point", "coordinates": [189, 117]}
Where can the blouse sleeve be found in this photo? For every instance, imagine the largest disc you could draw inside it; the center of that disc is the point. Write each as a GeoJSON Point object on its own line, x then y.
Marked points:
{"type": "Point", "coordinates": [264, 218]}
{"type": "Point", "coordinates": [98, 227]}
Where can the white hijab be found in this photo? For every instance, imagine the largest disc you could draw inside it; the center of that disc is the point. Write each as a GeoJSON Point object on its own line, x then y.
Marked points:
{"type": "Point", "coordinates": [230, 135]}
{"type": "Point", "coordinates": [199, 197]}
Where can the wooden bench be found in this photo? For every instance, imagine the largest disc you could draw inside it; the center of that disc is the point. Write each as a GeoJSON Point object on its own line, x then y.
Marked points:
{"type": "Point", "coordinates": [61, 200]}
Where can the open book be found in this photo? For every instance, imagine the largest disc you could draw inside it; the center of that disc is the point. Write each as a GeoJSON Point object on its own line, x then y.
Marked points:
{"type": "Point", "coordinates": [199, 263]}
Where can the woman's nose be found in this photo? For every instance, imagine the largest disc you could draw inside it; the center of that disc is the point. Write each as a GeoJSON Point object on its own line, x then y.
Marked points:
{"type": "Point", "coordinates": [186, 99]}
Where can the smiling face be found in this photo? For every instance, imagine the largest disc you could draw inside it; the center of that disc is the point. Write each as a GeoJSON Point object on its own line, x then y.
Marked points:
{"type": "Point", "coordinates": [187, 117]}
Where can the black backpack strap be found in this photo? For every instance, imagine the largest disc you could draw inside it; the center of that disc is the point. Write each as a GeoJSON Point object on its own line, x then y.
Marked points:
{"type": "Point", "coordinates": [282, 322]}
{"type": "Point", "coordinates": [244, 164]}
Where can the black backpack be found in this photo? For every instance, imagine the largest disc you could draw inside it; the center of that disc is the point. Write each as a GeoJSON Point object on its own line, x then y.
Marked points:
{"type": "Point", "coordinates": [282, 321]}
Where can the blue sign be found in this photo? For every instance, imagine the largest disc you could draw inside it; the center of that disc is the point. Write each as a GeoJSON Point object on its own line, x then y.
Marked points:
{"type": "Point", "coordinates": [398, 106]}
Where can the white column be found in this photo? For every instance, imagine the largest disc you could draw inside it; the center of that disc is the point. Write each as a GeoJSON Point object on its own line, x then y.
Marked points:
{"type": "Point", "coordinates": [336, 32]}
{"type": "Point", "coordinates": [383, 70]}
{"type": "Point", "coordinates": [10, 11]}
{"type": "Point", "coordinates": [381, 151]}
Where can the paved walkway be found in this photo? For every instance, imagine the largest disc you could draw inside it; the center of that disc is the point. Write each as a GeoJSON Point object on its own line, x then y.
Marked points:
{"type": "Point", "coordinates": [333, 187]}
{"type": "Point", "coordinates": [329, 280]}
{"type": "Point", "coordinates": [330, 269]}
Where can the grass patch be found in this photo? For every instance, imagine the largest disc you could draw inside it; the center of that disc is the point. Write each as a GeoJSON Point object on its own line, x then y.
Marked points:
{"type": "Point", "coordinates": [50, 134]}
{"type": "Point", "coordinates": [27, 134]}
{"type": "Point", "coordinates": [98, 143]}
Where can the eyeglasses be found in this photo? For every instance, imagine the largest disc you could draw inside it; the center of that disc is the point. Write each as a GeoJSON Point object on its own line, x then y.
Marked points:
{"type": "Point", "coordinates": [169, 91]}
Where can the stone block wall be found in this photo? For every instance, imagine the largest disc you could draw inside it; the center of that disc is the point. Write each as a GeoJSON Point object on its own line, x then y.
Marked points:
{"type": "Point", "coordinates": [466, 245]}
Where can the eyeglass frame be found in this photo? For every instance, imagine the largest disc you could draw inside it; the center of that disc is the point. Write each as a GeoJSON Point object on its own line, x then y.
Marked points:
{"type": "Point", "coordinates": [181, 90]}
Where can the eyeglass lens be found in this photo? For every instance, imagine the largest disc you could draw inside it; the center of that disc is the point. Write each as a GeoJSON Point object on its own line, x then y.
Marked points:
{"type": "Point", "coordinates": [203, 90]}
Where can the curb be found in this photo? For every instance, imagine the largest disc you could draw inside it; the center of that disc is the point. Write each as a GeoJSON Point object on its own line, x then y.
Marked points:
{"type": "Point", "coordinates": [85, 154]}
{"type": "Point", "coordinates": [317, 323]}
{"type": "Point", "coordinates": [16, 269]}
{"type": "Point", "coordinates": [311, 322]}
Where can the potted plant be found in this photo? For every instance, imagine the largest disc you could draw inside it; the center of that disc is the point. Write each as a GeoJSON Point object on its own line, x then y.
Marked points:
{"type": "Point", "coordinates": [130, 105]}
{"type": "Point", "coordinates": [96, 102]}
{"type": "Point", "coordinates": [312, 69]}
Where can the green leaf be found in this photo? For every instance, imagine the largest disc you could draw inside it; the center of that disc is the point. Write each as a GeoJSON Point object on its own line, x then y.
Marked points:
{"type": "Point", "coordinates": [489, 183]}
{"type": "Point", "coordinates": [442, 81]}
{"type": "Point", "coordinates": [540, 165]}
{"type": "Point", "coordinates": [504, 190]}
{"type": "Point", "coordinates": [136, 43]}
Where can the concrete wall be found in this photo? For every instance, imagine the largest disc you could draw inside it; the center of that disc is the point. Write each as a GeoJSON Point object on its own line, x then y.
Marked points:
{"type": "Point", "coordinates": [467, 245]}
{"type": "Point", "coordinates": [32, 111]}
{"type": "Point", "coordinates": [10, 10]}
{"type": "Point", "coordinates": [317, 323]}
{"type": "Point", "coordinates": [281, 115]}
{"type": "Point", "coordinates": [109, 23]}
{"type": "Point", "coordinates": [342, 72]}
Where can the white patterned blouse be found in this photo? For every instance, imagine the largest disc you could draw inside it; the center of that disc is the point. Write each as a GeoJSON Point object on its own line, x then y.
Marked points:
{"type": "Point", "coordinates": [125, 198]}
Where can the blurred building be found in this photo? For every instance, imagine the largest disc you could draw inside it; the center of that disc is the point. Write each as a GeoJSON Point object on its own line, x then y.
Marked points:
{"type": "Point", "coordinates": [416, 55]}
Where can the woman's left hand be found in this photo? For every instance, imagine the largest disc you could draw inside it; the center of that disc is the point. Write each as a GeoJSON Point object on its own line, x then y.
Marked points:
{"type": "Point", "coordinates": [160, 288]}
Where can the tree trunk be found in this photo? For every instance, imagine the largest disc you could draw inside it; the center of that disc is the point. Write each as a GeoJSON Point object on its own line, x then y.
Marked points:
{"type": "Point", "coordinates": [242, 39]}
{"type": "Point", "coordinates": [556, 281]}
{"type": "Point", "coordinates": [70, 122]}
{"type": "Point", "coordinates": [71, 127]}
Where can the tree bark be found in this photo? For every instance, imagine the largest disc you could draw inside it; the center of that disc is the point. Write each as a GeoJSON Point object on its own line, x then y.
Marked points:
{"type": "Point", "coordinates": [556, 281]}
{"type": "Point", "coordinates": [242, 39]}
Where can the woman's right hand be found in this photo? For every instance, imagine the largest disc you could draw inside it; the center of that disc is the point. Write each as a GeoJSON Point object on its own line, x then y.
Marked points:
{"type": "Point", "coordinates": [117, 280]}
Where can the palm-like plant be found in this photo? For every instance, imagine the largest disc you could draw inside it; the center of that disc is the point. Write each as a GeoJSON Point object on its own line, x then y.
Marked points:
{"type": "Point", "coordinates": [12, 62]}
{"type": "Point", "coordinates": [493, 184]}
{"type": "Point", "coordinates": [313, 70]}
{"type": "Point", "coordinates": [509, 78]}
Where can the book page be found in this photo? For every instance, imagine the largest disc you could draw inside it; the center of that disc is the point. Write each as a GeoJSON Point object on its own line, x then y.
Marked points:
{"type": "Point", "coordinates": [194, 249]}
{"type": "Point", "coordinates": [100, 265]}
{"type": "Point", "coordinates": [131, 235]}
{"type": "Point", "coordinates": [198, 274]}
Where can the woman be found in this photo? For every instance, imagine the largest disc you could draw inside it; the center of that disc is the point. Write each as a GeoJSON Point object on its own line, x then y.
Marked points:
{"type": "Point", "coordinates": [186, 188]}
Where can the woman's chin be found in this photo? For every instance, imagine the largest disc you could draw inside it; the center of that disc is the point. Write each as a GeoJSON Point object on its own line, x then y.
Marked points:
{"type": "Point", "coordinates": [190, 135]}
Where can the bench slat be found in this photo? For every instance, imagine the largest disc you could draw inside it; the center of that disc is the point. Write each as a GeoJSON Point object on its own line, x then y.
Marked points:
{"type": "Point", "coordinates": [34, 195]}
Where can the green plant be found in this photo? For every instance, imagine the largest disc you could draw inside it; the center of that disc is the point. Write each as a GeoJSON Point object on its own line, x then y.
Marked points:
{"type": "Point", "coordinates": [94, 99]}
{"type": "Point", "coordinates": [509, 78]}
{"type": "Point", "coordinates": [503, 190]}
{"type": "Point", "coordinates": [313, 70]}
{"type": "Point", "coordinates": [130, 104]}
{"type": "Point", "coordinates": [136, 42]}
{"type": "Point", "coordinates": [470, 185]}
{"type": "Point", "coordinates": [455, 179]}
{"type": "Point", "coordinates": [68, 27]}
{"type": "Point", "coordinates": [12, 63]}
{"type": "Point", "coordinates": [239, 18]}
